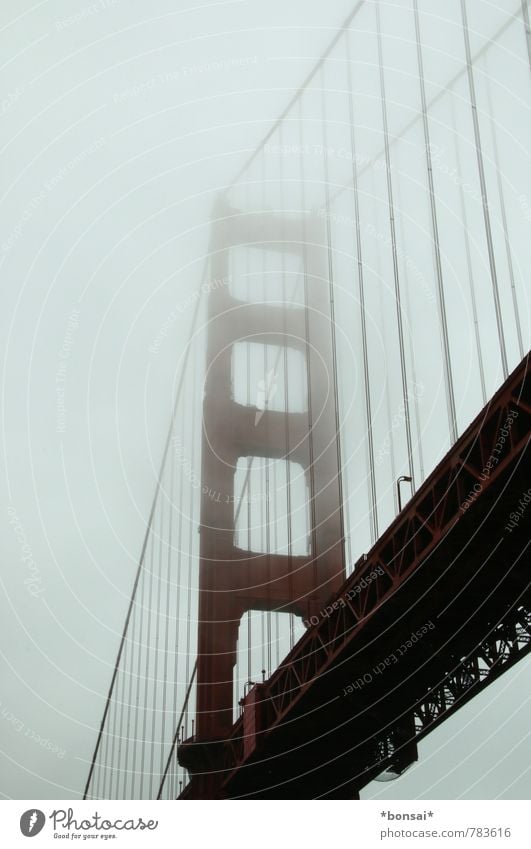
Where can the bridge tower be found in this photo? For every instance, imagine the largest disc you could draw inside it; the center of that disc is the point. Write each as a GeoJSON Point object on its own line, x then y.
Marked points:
{"type": "Point", "coordinates": [233, 581]}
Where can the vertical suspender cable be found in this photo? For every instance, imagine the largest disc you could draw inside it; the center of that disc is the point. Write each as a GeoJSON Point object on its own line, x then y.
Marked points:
{"type": "Point", "coordinates": [142, 554]}
{"type": "Point", "coordinates": [266, 476]}
{"type": "Point", "coordinates": [434, 100]}
{"type": "Point", "coordinates": [100, 772]}
{"type": "Point", "coordinates": [275, 510]}
{"type": "Point", "coordinates": [239, 537]}
{"type": "Point", "coordinates": [483, 186]}
{"type": "Point", "coordinates": [179, 602]}
{"type": "Point", "coordinates": [249, 483]}
{"type": "Point", "coordinates": [259, 507]}
{"type": "Point", "coordinates": [115, 774]}
{"type": "Point", "coordinates": [112, 723]}
{"type": "Point", "coordinates": [527, 29]}
{"type": "Point", "coordinates": [103, 764]}
{"type": "Point", "coordinates": [448, 377]}
{"type": "Point", "coordinates": [306, 285]}
{"type": "Point", "coordinates": [130, 744]}
{"type": "Point", "coordinates": [286, 408]}
{"type": "Point", "coordinates": [389, 416]}
{"type": "Point", "coordinates": [129, 649]}
{"type": "Point", "coordinates": [333, 341]}
{"type": "Point", "coordinates": [503, 210]}
{"type": "Point", "coordinates": [146, 669]}
{"type": "Point", "coordinates": [194, 432]}
{"type": "Point", "coordinates": [470, 272]}
{"type": "Point", "coordinates": [373, 501]}
{"type": "Point", "coordinates": [122, 735]}
{"type": "Point", "coordinates": [140, 637]}
{"type": "Point", "coordinates": [275, 549]}
{"type": "Point", "coordinates": [403, 371]}
{"type": "Point", "coordinates": [176, 647]}
{"type": "Point", "coordinates": [263, 466]}
{"type": "Point", "coordinates": [167, 613]}
{"type": "Point", "coordinates": [176, 736]}
{"type": "Point", "coordinates": [268, 548]}
{"type": "Point", "coordinates": [412, 363]}
{"type": "Point", "coordinates": [158, 578]}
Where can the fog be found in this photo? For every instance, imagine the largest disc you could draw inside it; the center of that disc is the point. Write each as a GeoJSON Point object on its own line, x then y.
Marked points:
{"type": "Point", "coordinates": [121, 126]}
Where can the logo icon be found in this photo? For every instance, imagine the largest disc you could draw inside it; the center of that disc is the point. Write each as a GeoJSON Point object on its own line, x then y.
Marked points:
{"type": "Point", "coordinates": [32, 822]}
{"type": "Point", "coordinates": [267, 389]}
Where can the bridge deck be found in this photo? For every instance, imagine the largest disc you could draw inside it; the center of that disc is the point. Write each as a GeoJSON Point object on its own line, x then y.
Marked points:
{"type": "Point", "coordinates": [356, 692]}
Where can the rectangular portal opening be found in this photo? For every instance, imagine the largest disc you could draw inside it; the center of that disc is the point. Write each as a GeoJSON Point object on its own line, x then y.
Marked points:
{"type": "Point", "coordinates": [264, 640]}
{"type": "Point", "coordinates": [269, 377]}
{"type": "Point", "coordinates": [271, 506]}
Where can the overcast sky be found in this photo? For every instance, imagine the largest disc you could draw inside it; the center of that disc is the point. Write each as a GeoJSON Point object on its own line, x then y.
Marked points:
{"type": "Point", "coordinates": [120, 123]}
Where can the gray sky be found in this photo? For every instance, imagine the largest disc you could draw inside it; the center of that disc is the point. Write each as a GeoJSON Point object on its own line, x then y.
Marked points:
{"type": "Point", "coordinates": [120, 122]}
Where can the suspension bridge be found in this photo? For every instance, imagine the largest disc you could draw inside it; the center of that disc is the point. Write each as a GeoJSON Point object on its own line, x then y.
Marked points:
{"type": "Point", "coordinates": [334, 560]}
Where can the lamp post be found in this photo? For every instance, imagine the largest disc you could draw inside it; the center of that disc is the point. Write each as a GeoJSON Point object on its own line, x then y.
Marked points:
{"type": "Point", "coordinates": [401, 479]}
